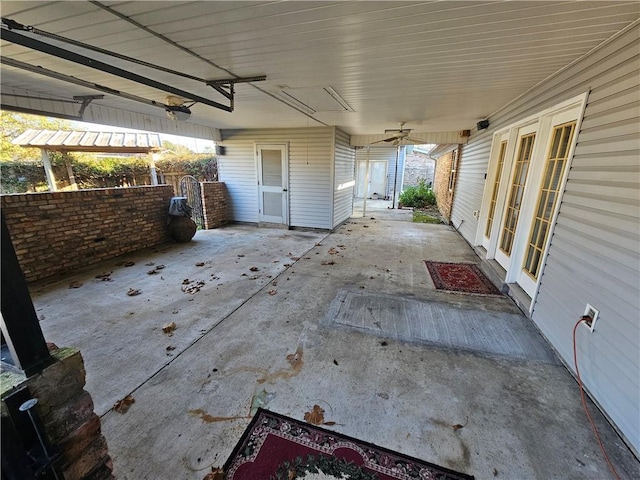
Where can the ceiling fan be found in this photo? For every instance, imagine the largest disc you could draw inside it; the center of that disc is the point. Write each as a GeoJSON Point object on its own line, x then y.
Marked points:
{"type": "Point", "coordinates": [398, 136]}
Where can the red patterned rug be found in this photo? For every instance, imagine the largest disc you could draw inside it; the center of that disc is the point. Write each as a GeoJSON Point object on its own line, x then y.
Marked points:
{"type": "Point", "coordinates": [280, 448]}
{"type": "Point", "coordinates": [460, 277]}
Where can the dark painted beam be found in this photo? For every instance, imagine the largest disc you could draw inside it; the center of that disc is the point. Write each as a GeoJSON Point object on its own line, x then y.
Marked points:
{"type": "Point", "coordinates": [20, 326]}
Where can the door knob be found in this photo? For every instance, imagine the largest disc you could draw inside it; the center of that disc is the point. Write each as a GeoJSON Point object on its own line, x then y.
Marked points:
{"type": "Point", "coordinates": [284, 190]}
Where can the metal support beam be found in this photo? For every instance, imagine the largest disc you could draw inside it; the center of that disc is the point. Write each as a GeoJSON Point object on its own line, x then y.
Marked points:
{"type": "Point", "coordinates": [20, 325]}
{"type": "Point", "coordinates": [47, 48]}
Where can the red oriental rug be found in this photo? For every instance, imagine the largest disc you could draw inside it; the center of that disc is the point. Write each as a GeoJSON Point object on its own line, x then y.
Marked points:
{"type": "Point", "coordinates": [280, 448]}
{"type": "Point", "coordinates": [460, 277]}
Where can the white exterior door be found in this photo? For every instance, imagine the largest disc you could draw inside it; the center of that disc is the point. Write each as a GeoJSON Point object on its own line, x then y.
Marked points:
{"type": "Point", "coordinates": [377, 178]}
{"type": "Point", "coordinates": [272, 183]}
{"type": "Point", "coordinates": [515, 194]}
{"type": "Point", "coordinates": [525, 181]}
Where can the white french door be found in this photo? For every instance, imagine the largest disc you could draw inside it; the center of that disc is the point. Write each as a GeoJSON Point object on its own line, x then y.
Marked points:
{"type": "Point", "coordinates": [272, 183]}
{"type": "Point", "coordinates": [515, 194]}
{"type": "Point", "coordinates": [527, 175]}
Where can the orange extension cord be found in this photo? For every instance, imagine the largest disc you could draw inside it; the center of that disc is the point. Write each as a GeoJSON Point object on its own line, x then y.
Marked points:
{"type": "Point", "coordinates": [584, 402]}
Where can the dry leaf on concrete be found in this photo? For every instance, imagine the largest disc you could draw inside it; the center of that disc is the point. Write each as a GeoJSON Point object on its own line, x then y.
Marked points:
{"type": "Point", "coordinates": [129, 264]}
{"type": "Point", "coordinates": [169, 327]}
{"type": "Point", "coordinates": [200, 264]}
{"type": "Point", "coordinates": [105, 277]}
{"type": "Point", "coordinates": [254, 269]}
{"type": "Point", "coordinates": [332, 251]}
{"type": "Point", "coordinates": [121, 406]}
{"type": "Point", "coordinates": [457, 426]}
{"type": "Point", "coordinates": [75, 284]}
{"type": "Point", "coordinates": [325, 262]}
{"type": "Point", "coordinates": [215, 474]}
{"type": "Point", "coordinates": [133, 292]}
{"type": "Point", "coordinates": [272, 292]}
{"type": "Point", "coordinates": [152, 272]}
{"type": "Point", "coordinates": [315, 416]}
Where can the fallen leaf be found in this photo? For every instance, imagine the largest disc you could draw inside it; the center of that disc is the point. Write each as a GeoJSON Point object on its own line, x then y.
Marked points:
{"type": "Point", "coordinates": [327, 262]}
{"type": "Point", "coordinates": [287, 265]}
{"type": "Point", "coordinates": [384, 344]}
{"type": "Point", "coordinates": [372, 218]}
{"type": "Point", "coordinates": [121, 406]}
{"type": "Point", "coordinates": [315, 416]}
{"type": "Point", "coordinates": [215, 474]}
{"type": "Point", "coordinates": [186, 281]}
{"type": "Point", "coordinates": [75, 284]}
{"type": "Point", "coordinates": [129, 264]}
{"type": "Point", "coordinates": [133, 292]}
{"type": "Point", "coordinates": [169, 327]}
{"type": "Point", "coordinates": [148, 264]}
{"type": "Point", "coordinates": [332, 251]}
{"type": "Point", "coordinates": [328, 423]}
{"type": "Point", "coordinates": [457, 426]}
{"type": "Point", "coordinates": [152, 272]}
{"type": "Point", "coordinates": [170, 347]}
{"type": "Point", "coordinates": [335, 362]}
{"type": "Point", "coordinates": [274, 283]}
{"type": "Point", "coordinates": [495, 472]}
{"type": "Point", "coordinates": [318, 244]}
{"type": "Point", "coordinates": [254, 269]}
{"type": "Point", "coordinates": [159, 267]}
{"type": "Point", "coordinates": [105, 277]}
{"type": "Point", "coordinates": [272, 292]}
{"type": "Point", "coordinates": [366, 226]}
{"type": "Point", "coordinates": [295, 259]}
{"type": "Point", "coordinates": [200, 264]}
{"type": "Point", "coordinates": [240, 255]}
{"type": "Point", "coordinates": [341, 246]}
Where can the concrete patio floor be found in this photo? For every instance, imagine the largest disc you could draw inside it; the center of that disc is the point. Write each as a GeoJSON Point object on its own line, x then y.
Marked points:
{"type": "Point", "coordinates": [194, 391]}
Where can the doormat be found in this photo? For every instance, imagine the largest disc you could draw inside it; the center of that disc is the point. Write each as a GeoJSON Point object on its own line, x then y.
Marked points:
{"type": "Point", "coordinates": [277, 447]}
{"type": "Point", "coordinates": [461, 278]}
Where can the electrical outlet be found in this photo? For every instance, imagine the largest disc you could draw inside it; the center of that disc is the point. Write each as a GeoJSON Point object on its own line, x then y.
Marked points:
{"type": "Point", "coordinates": [591, 312]}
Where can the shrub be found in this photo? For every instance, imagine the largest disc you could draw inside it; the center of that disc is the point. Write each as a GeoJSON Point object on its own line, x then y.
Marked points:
{"type": "Point", "coordinates": [418, 197]}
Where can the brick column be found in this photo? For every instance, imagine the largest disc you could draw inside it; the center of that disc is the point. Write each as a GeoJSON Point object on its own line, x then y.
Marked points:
{"type": "Point", "coordinates": [214, 204]}
{"type": "Point", "coordinates": [66, 412]}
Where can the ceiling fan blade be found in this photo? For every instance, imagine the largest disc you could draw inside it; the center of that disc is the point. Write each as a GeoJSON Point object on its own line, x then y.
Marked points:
{"type": "Point", "coordinates": [416, 141]}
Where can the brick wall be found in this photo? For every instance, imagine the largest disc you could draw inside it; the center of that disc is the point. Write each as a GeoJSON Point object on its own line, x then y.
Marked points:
{"type": "Point", "coordinates": [214, 204]}
{"type": "Point", "coordinates": [56, 232]}
{"type": "Point", "coordinates": [444, 197]}
{"type": "Point", "coordinates": [418, 166]}
{"type": "Point", "coordinates": [66, 413]}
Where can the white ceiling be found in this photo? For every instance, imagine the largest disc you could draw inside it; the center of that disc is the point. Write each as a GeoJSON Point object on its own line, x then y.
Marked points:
{"type": "Point", "coordinates": [439, 66]}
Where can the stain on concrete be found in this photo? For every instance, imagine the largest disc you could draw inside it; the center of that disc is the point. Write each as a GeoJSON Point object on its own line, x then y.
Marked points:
{"type": "Point", "coordinates": [295, 360]}
{"type": "Point", "coordinates": [206, 418]}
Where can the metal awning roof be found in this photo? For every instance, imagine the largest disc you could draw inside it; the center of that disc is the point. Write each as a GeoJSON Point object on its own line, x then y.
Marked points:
{"type": "Point", "coordinates": [82, 141]}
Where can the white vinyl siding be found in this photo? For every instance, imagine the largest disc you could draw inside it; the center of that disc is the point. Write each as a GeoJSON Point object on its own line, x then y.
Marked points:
{"type": "Point", "coordinates": [310, 166]}
{"type": "Point", "coordinates": [594, 251]}
{"type": "Point", "coordinates": [344, 173]}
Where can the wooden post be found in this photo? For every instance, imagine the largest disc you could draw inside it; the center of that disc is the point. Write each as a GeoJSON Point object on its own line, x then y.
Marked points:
{"type": "Point", "coordinates": [72, 178]}
{"type": "Point", "coordinates": [20, 325]}
{"type": "Point", "coordinates": [152, 166]}
{"type": "Point", "coordinates": [48, 171]}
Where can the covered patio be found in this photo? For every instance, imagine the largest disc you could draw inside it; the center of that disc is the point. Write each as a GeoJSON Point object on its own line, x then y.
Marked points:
{"type": "Point", "coordinates": [196, 388]}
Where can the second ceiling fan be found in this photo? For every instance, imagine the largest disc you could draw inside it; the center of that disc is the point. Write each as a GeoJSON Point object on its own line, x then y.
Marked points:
{"type": "Point", "coordinates": [399, 136]}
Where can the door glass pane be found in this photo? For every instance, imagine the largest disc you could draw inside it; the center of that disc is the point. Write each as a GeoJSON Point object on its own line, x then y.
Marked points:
{"type": "Point", "coordinates": [271, 168]}
{"type": "Point", "coordinates": [496, 186]}
{"type": "Point", "coordinates": [517, 189]}
{"type": "Point", "coordinates": [272, 203]}
{"type": "Point", "coordinates": [548, 196]}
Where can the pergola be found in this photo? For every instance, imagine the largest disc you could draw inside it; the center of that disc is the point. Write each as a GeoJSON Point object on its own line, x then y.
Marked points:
{"type": "Point", "coordinates": [84, 141]}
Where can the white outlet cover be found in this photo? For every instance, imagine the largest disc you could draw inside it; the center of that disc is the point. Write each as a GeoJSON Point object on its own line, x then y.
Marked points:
{"type": "Point", "coordinates": [592, 312]}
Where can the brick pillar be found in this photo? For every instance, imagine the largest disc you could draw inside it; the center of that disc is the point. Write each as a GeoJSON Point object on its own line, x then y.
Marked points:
{"type": "Point", "coordinates": [66, 412]}
{"type": "Point", "coordinates": [214, 204]}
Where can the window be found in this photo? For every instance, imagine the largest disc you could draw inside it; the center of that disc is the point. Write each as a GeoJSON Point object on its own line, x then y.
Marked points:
{"type": "Point", "coordinates": [454, 170]}
{"type": "Point", "coordinates": [517, 192]}
{"type": "Point", "coordinates": [496, 187]}
{"type": "Point", "coordinates": [557, 157]}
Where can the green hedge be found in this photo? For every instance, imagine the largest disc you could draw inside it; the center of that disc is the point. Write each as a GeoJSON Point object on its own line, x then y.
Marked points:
{"type": "Point", "coordinates": [418, 197]}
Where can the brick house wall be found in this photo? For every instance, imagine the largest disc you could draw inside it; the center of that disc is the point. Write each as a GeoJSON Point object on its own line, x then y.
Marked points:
{"type": "Point", "coordinates": [55, 232]}
{"type": "Point", "coordinates": [444, 196]}
{"type": "Point", "coordinates": [418, 166]}
{"type": "Point", "coordinates": [214, 204]}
